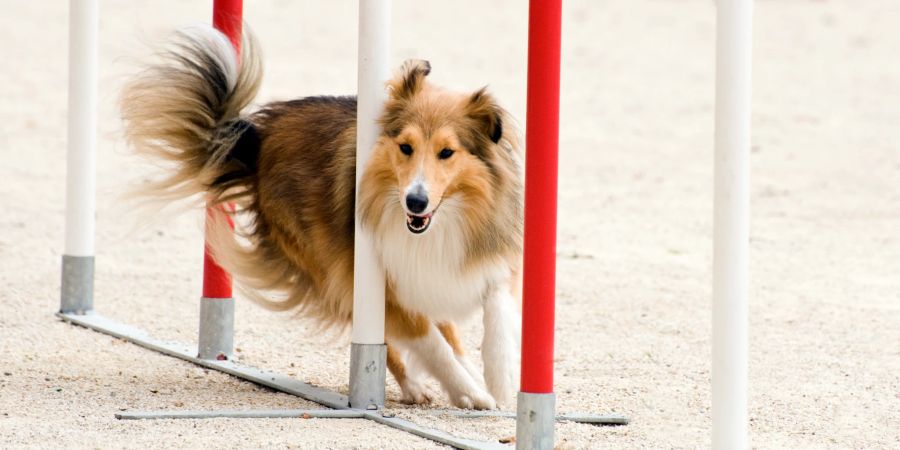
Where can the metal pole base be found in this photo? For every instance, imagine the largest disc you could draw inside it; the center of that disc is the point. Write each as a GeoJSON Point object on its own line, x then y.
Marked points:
{"type": "Point", "coordinates": [367, 375]}
{"type": "Point", "coordinates": [77, 287]}
{"type": "Point", "coordinates": [216, 340]}
{"type": "Point", "coordinates": [535, 417]}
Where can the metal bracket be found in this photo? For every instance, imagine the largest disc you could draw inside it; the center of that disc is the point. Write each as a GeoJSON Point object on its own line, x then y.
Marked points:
{"type": "Point", "coordinates": [535, 418]}
{"type": "Point", "coordinates": [77, 287]}
{"type": "Point", "coordinates": [339, 403]}
{"type": "Point", "coordinates": [216, 337]}
{"type": "Point", "coordinates": [367, 375]}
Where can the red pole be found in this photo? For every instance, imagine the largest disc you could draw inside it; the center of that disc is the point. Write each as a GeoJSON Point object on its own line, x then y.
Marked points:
{"type": "Point", "coordinates": [216, 280]}
{"type": "Point", "coordinates": [542, 147]}
{"type": "Point", "coordinates": [227, 18]}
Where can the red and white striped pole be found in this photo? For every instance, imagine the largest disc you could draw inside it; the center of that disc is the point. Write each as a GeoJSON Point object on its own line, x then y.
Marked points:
{"type": "Point", "coordinates": [216, 336]}
{"type": "Point", "coordinates": [536, 400]}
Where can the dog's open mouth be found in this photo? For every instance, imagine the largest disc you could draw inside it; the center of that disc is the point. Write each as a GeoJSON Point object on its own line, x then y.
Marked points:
{"type": "Point", "coordinates": [418, 224]}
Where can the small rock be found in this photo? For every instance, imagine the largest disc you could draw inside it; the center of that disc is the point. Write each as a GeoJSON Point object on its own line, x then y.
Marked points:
{"type": "Point", "coordinates": [508, 440]}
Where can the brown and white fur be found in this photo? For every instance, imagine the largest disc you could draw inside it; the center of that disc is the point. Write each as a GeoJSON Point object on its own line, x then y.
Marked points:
{"type": "Point", "coordinates": [441, 198]}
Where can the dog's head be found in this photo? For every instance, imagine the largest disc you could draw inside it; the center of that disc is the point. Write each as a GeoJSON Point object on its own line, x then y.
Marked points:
{"type": "Point", "coordinates": [437, 144]}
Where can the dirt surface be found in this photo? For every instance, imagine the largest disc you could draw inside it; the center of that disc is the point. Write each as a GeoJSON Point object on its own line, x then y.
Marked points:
{"type": "Point", "coordinates": [635, 230]}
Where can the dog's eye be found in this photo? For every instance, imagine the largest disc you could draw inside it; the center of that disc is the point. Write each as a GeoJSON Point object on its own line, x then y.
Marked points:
{"type": "Point", "coordinates": [445, 153]}
{"type": "Point", "coordinates": [406, 149]}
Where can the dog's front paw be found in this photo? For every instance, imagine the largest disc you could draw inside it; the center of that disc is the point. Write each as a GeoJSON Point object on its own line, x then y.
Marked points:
{"type": "Point", "coordinates": [503, 388]}
{"type": "Point", "coordinates": [415, 393]}
{"type": "Point", "coordinates": [476, 399]}
{"type": "Point", "coordinates": [502, 379]}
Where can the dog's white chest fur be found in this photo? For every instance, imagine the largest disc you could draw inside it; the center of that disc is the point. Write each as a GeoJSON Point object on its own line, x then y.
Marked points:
{"type": "Point", "coordinates": [426, 271]}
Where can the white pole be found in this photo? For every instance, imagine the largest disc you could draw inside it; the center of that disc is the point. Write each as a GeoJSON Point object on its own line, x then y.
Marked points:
{"type": "Point", "coordinates": [78, 257]}
{"type": "Point", "coordinates": [80, 202]}
{"type": "Point", "coordinates": [731, 223]}
{"type": "Point", "coordinates": [367, 386]}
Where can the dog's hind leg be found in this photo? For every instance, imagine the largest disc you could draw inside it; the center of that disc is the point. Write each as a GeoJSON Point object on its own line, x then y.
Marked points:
{"type": "Point", "coordinates": [500, 347]}
{"type": "Point", "coordinates": [413, 388]}
{"type": "Point", "coordinates": [451, 335]}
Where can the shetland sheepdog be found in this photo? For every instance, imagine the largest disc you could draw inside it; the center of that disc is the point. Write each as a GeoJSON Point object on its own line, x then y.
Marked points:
{"type": "Point", "coordinates": [441, 197]}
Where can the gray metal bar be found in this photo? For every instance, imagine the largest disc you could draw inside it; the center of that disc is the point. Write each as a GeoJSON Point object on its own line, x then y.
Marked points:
{"type": "Point", "coordinates": [376, 416]}
{"type": "Point", "coordinates": [291, 386]}
{"type": "Point", "coordinates": [77, 286]}
{"type": "Point", "coordinates": [216, 336]}
{"type": "Point", "coordinates": [244, 414]}
{"type": "Point", "coordinates": [266, 378]}
{"type": "Point", "coordinates": [434, 435]}
{"type": "Point", "coordinates": [594, 419]}
{"type": "Point", "coordinates": [535, 419]}
{"type": "Point", "coordinates": [367, 375]}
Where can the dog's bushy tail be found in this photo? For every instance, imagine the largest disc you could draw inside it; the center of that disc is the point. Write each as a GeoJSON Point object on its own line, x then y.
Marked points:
{"type": "Point", "coordinates": [187, 113]}
{"type": "Point", "coordinates": [186, 110]}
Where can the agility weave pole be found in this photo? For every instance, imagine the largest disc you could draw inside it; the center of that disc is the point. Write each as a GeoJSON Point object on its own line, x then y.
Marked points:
{"type": "Point", "coordinates": [734, 32]}
{"type": "Point", "coordinates": [217, 305]}
{"type": "Point", "coordinates": [368, 352]}
{"type": "Point", "coordinates": [536, 401]}
{"type": "Point", "coordinates": [215, 338]}
{"type": "Point", "coordinates": [77, 284]}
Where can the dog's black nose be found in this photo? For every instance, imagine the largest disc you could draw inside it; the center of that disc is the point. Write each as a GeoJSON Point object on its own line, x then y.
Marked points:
{"type": "Point", "coordinates": [416, 202]}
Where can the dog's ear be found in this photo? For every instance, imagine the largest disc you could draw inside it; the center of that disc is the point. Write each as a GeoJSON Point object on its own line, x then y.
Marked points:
{"type": "Point", "coordinates": [410, 79]}
{"type": "Point", "coordinates": [482, 107]}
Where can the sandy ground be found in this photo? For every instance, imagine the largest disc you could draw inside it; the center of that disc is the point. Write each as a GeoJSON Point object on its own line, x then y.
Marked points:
{"type": "Point", "coordinates": [634, 239]}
